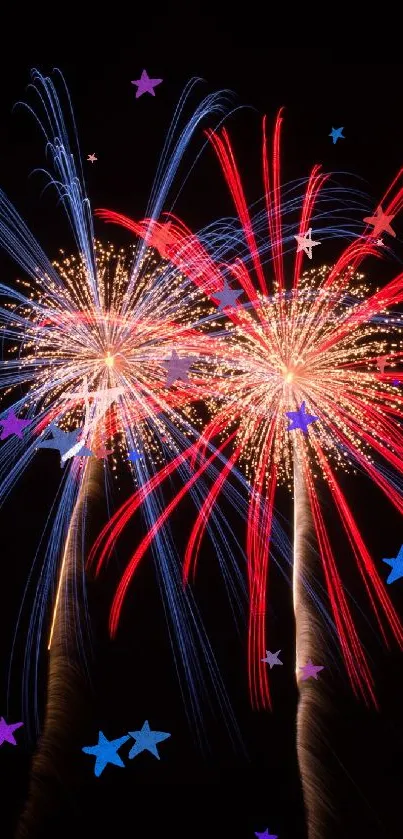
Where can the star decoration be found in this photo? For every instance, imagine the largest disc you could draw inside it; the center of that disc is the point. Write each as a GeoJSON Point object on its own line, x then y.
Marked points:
{"type": "Point", "coordinates": [105, 398]}
{"type": "Point", "coordinates": [133, 456]}
{"type": "Point", "coordinates": [102, 452]}
{"type": "Point", "coordinates": [92, 158]}
{"type": "Point", "coordinates": [265, 835]}
{"type": "Point", "coordinates": [396, 566]}
{"type": "Point", "coordinates": [12, 425]}
{"type": "Point", "coordinates": [106, 751]}
{"type": "Point", "coordinates": [300, 419]}
{"type": "Point", "coordinates": [382, 359]}
{"type": "Point", "coordinates": [337, 134]}
{"type": "Point", "coordinates": [305, 243]}
{"type": "Point", "coordinates": [379, 242]}
{"type": "Point", "coordinates": [380, 222]}
{"type": "Point", "coordinates": [177, 368]}
{"type": "Point", "coordinates": [6, 731]}
{"type": "Point", "coordinates": [227, 296]}
{"type": "Point", "coordinates": [396, 382]}
{"type": "Point", "coordinates": [147, 739]}
{"type": "Point", "coordinates": [66, 442]}
{"type": "Point", "coordinates": [272, 658]}
{"type": "Point", "coordinates": [145, 84]}
{"type": "Point", "coordinates": [163, 240]}
{"type": "Point", "coordinates": [310, 671]}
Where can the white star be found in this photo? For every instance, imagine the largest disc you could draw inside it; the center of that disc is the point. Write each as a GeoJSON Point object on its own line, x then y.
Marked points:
{"type": "Point", "coordinates": [305, 243]}
{"type": "Point", "coordinates": [104, 399]}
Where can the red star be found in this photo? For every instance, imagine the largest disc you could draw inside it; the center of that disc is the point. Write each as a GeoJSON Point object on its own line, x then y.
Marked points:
{"type": "Point", "coordinates": [101, 453]}
{"type": "Point", "coordinates": [163, 240]}
{"type": "Point", "coordinates": [380, 222]}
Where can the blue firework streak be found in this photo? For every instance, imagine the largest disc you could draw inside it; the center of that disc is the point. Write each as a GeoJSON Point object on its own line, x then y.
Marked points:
{"type": "Point", "coordinates": [70, 330]}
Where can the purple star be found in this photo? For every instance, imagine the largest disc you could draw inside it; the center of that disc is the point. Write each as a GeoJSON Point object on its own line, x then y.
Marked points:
{"type": "Point", "coordinates": [310, 670]}
{"type": "Point", "coordinates": [396, 382]}
{"type": "Point", "coordinates": [177, 368]}
{"type": "Point", "coordinates": [266, 835]}
{"type": "Point", "coordinates": [13, 425]}
{"type": "Point", "coordinates": [6, 731]}
{"type": "Point", "coordinates": [300, 419]}
{"type": "Point", "coordinates": [145, 84]}
{"type": "Point", "coordinates": [272, 658]}
{"type": "Point", "coordinates": [227, 297]}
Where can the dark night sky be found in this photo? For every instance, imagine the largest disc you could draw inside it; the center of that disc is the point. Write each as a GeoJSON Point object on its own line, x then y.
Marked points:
{"type": "Point", "coordinates": [134, 678]}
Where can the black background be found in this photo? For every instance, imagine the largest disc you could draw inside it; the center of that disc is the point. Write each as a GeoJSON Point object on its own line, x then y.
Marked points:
{"type": "Point", "coordinates": [134, 678]}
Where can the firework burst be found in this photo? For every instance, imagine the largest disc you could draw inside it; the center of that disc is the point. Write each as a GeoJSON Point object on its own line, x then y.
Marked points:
{"type": "Point", "coordinates": [315, 339]}
{"type": "Point", "coordinates": [87, 340]}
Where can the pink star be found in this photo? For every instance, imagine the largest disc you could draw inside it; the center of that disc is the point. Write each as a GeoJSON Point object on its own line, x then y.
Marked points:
{"type": "Point", "coordinates": [92, 158]}
{"type": "Point", "coordinates": [310, 670]}
{"type": "Point", "coordinates": [380, 222]}
{"type": "Point", "coordinates": [145, 84]}
{"type": "Point", "coordinates": [382, 359]}
{"type": "Point", "coordinates": [12, 425]}
{"type": "Point", "coordinates": [6, 731]}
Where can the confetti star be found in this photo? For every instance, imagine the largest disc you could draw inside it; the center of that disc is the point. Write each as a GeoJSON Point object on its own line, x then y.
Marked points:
{"type": "Point", "coordinates": [163, 240]}
{"type": "Point", "coordinates": [382, 359]}
{"type": "Point", "coordinates": [102, 452]}
{"type": "Point", "coordinates": [310, 670]}
{"type": "Point", "coordinates": [177, 368]}
{"type": "Point", "coordinates": [106, 751]}
{"type": "Point", "coordinates": [133, 456]}
{"type": "Point", "coordinates": [379, 242]}
{"type": "Point", "coordinates": [380, 222]}
{"type": "Point", "coordinates": [396, 382]}
{"type": "Point", "coordinates": [300, 419]}
{"type": "Point", "coordinates": [66, 442]}
{"type": "Point", "coordinates": [145, 84]}
{"type": "Point", "coordinates": [305, 243]}
{"type": "Point", "coordinates": [104, 398]}
{"type": "Point", "coordinates": [6, 731]}
{"type": "Point", "coordinates": [12, 425]}
{"type": "Point", "coordinates": [337, 134]}
{"type": "Point", "coordinates": [227, 296]}
{"type": "Point", "coordinates": [92, 158]}
{"type": "Point", "coordinates": [396, 565]}
{"type": "Point", "coordinates": [147, 739]}
{"type": "Point", "coordinates": [265, 835]}
{"type": "Point", "coordinates": [272, 658]}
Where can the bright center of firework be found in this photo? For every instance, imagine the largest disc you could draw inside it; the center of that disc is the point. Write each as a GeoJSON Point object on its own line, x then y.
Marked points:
{"type": "Point", "coordinates": [109, 360]}
{"type": "Point", "coordinates": [288, 374]}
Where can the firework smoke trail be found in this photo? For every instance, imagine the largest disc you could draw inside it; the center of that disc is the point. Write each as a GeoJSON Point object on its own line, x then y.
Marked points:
{"type": "Point", "coordinates": [54, 764]}
{"type": "Point", "coordinates": [309, 644]}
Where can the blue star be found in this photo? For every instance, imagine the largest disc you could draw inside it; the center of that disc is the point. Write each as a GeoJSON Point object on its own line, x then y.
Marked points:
{"type": "Point", "coordinates": [106, 751]}
{"type": "Point", "coordinates": [396, 566]}
{"type": "Point", "coordinates": [337, 134]}
{"type": "Point", "coordinates": [65, 442]}
{"type": "Point", "coordinates": [133, 456]}
{"type": "Point", "coordinates": [227, 296]}
{"type": "Point", "coordinates": [396, 382]}
{"type": "Point", "coordinates": [299, 419]}
{"type": "Point", "coordinates": [147, 739]}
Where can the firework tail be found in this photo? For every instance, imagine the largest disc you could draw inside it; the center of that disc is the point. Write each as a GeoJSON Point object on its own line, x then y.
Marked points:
{"type": "Point", "coordinates": [313, 699]}
{"type": "Point", "coordinates": [54, 764]}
